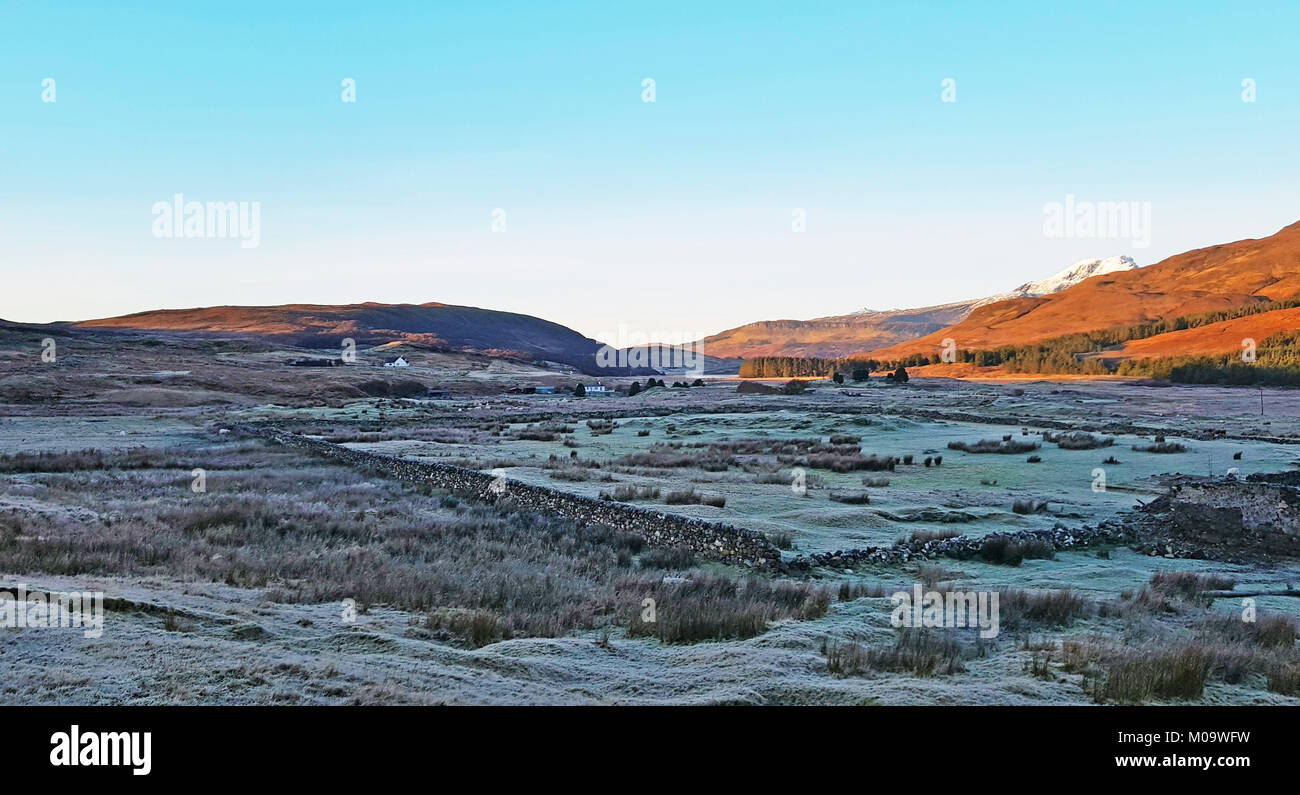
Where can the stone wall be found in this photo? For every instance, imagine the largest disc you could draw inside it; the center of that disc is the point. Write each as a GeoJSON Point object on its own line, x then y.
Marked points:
{"type": "Point", "coordinates": [708, 540]}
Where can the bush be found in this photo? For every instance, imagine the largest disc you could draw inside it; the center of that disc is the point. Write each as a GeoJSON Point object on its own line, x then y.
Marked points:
{"type": "Point", "coordinates": [693, 497]}
{"type": "Point", "coordinates": [1189, 585]}
{"type": "Point", "coordinates": [780, 539]}
{"type": "Point", "coordinates": [1028, 506]}
{"type": "Point", "coordinates": [1033, 609]}
{"type": "Point", "coordinates": [1005, 446]}
{"type": "Point", "coordinates": [859, 498]}
{"type": "Point", "coordinates": [926, 536]}
{"type": "Point", "coordinates": [1003, 550]}
{"type": "Point", "coordinates": [1141, 676]}
{"type": "Point", "coordinates": [1160, 447]}
{"type": "Point", "coordinates": [918, 651]}
{"type": "Point", "coordinates": [1078, 440]}
{"type": "Point", "coordinates": [715, 608]}
{"type": "Point", "coordinates": [628, 493]}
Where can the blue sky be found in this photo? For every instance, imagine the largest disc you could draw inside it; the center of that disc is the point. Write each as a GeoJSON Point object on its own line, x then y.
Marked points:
{"type": "Point", "coordinates": [671, 216]}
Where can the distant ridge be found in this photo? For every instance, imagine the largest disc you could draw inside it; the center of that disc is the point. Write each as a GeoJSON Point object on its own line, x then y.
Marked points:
{"type": "Point", "coordinates": [1214, 278]}
{"type": "Point", "coordinates": [461, 328]}
{"type": "Point", "coordinates": [845, 335]}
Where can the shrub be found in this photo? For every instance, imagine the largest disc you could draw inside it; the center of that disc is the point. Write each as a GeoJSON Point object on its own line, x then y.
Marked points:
{"type": "Point", "coordinates": [1077, 440]}
{"type": "Point", "coordinates": [850, 591]}
{"type": "Point", "coordinates": [478, 628]}
{"type": "Point", "coordinates": [1160, 447]}
{"type": "Point", "coordinates": [1267, 630]}
{"type": "Point", "coordinates": [1189, 585]}
{"type": "Point", "coordinates": [693, 497]}
{"type": "Point", "coordinates": [1140, 676]}
{"type": "Point", "coordinates": [859, 498]}
{"type": "Point", "coordinates": [1028, 506]}
{"type": "Point", "coordinates": [704, 608]}
{"type": "Point", "coordinates": [926, 536]}
{"type": "Point", "coordinates": [920, 652]}
{"type": "Point", "coordinates": [1004, 550]}
{"type": "Point", "coordinates": [837, 462]}
{"type": "Point", "coordinates": [780, 539]}
{"type": "Point", "coordinates": [994, 446]}
{"type": "Point", "coordinates": [1034, 609]}
{"type": "Point", "coordinates": [1285, 679]}
{"type": "Point", "coordinates": [627, 493]}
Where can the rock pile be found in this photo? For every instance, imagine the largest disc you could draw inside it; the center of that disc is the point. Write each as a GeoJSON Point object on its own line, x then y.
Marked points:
{"type": "Point", "coordinates": [964, 547]}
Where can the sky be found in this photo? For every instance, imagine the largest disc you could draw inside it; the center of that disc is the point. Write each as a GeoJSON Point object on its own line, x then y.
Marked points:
{"type": "Point", "coordinates": [503, 155]}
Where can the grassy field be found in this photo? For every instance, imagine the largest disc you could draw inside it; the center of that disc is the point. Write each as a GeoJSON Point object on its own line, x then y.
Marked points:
{"type": "Point", "coordinates": [245, 572]}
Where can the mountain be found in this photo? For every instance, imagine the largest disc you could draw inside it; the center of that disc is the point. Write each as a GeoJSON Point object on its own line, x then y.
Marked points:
{"type": "Point", "coordinates": [1079, 271]}
{"type": "Point", "coordinates": [832, 336]}
{"type": "Point", "coordinates": [446, 326]}
{"type": "Point", "coordinates": [1219, 277]}
{"type": "Point", "coordinates": [844, 335]}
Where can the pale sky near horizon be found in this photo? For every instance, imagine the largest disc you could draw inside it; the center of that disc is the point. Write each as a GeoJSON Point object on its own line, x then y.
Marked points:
{"type": "Point", "coordinates": [665, 217]}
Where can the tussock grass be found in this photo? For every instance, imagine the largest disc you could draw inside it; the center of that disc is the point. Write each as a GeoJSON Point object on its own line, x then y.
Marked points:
{"type": "Point", "coordinates": [849, 591]}
{"type": "Point", "coordinates": [1077, 440]}
{"type": "Point", "coordinates": [926, 536]}
{"type": "Point", "coordinates": [1006, 446]}
{"type": "Point", "coordinates": [851, 498]}
{"type": "Point", "coordinates": [1152, 674]}
{"type": "Point", "coordinates": [304, 530]}
{"type": "Point", "coordinates": [1161, 447]}
{"type": "Point", "coordinates": [1028, 506]}
{"type": "Point", "coordinates": [918, 651]}
{"type": "Point", "coordinates": [627, 493]}
{"type": "Point", "coordinates": [1019, 610]}
{"type": "Point", "coordinates": [780, 539]}
{"type": "Point", "coordinates": [704, 607]}
{"type": "Point", "coordinates": [693, 497]}
{"type": "Point", "coordinates": [1003, 550]}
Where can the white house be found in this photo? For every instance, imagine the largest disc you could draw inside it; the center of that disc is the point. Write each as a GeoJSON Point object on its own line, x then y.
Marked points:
{"type": "Point", "coordinates": [596, 389]}
{"type": "Point", "coordinates": [398, 362]}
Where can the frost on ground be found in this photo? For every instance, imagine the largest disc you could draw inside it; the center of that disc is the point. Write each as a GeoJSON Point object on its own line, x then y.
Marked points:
{"type": "Point", "coordinates": [279, 578]}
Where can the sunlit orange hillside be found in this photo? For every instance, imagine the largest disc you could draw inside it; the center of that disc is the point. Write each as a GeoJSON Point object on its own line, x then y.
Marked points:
{"type": "Point", "coordinates": [1203, 280]}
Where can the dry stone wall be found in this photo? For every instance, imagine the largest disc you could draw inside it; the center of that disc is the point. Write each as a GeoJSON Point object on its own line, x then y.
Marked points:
{"type": "Point", "coordinates": [708, 540]}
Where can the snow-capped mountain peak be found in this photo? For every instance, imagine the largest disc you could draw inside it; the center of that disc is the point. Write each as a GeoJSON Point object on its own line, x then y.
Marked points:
{"type": "Point", "coordinates": [1083, 269]}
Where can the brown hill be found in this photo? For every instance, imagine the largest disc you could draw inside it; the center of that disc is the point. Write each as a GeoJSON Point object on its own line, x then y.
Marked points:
{"type": "Point", "coordinates": [462, 328]}
{"type": "Point", "coordinates": [1203, 280]}
{"type": "Point", "coordinates": [833, 336]}
{"type": "Point", "coordinates": [1213, 339]}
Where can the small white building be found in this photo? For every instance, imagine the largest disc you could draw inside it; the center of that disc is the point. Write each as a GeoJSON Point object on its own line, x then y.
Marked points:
{"type": "Point", "coordinates": [596, 389]}
{"type": "Point", "coordinates": [398, 362]}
